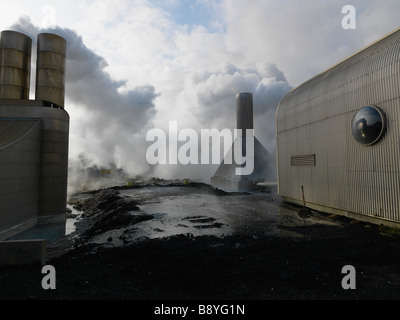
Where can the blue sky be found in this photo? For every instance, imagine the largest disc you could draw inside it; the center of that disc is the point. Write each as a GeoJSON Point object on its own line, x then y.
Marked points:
{"type": "Point", "coordinates": [191, 12]}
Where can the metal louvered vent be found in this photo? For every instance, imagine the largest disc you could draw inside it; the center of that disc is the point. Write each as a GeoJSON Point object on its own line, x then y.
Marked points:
{"type": "Point", "coordinates": [303, 160]}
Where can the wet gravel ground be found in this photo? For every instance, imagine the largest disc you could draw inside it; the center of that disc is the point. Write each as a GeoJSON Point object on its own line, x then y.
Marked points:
{"type": "Point", "coordinates": [196, 243]}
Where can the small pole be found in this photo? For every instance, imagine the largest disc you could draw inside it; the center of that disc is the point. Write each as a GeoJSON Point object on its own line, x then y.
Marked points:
{"type": "Point", "coordinates": [304, 212]}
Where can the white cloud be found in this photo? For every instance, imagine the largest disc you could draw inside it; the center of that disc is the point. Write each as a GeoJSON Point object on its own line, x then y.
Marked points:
{"type": "Point", "coordinates": [103, 119]}
{"type": "Point", "coordinates": [304, 38]}
{"type": "Point", "coordinates": [133, 67]}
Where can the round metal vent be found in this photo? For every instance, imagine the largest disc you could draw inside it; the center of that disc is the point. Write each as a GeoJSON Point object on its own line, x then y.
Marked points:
{"type": "Point", "coordinates": [368, 125]}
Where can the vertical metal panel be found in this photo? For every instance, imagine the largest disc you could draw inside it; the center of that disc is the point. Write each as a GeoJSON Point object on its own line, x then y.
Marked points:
{"type": "Point", "coordinates": [244, 111]}
{"type": "Point", "coordinates": [354, 178]}
{"type": "Point", "coordinates": [50, 68]}
{"type": "Point", "coordinates": [15, 65]}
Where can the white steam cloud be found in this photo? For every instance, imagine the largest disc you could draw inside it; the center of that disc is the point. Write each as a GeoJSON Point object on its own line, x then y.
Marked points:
{"type": "Point", "coordinates": [110, 118]}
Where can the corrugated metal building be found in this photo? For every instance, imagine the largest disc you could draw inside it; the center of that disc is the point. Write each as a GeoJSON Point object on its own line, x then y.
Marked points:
{"type": "Point", "coordinates": [338, 135]}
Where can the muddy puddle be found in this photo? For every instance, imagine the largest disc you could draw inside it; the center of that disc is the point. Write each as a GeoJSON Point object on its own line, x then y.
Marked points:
{"type": "Point", "coordinates": [167, 211]}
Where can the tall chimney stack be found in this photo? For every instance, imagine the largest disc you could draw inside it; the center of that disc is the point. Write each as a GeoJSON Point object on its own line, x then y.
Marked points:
{"type": "Point", "coordinates": [225, 177]}
{"type": "Point", "coordinates": [244, 111]}
{"type": "Point", "coordinates": [50, 69]}
{"type": "Point", "coordinates": [15, 65]}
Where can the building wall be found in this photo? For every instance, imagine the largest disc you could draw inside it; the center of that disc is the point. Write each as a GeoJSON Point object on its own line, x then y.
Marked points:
{"type": "Point", "coordinates": [314, 122]}
{"type": "Point", "coordinates": [54, 164]}
{"type": "Point", "coordinates": [19, 171]}
{"type": "Point", "coordinates": [33, 165]}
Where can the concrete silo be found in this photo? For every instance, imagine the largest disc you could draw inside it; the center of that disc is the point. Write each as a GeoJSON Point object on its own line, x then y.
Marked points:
{"type": "Point", "coordinates": [50, 68]}
{"type": "Point", "coordinates": [338, 136]}
{"type": "Point", "coordinates": [15, 65]}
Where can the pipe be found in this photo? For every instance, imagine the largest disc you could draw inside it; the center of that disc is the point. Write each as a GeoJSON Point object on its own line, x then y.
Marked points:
{"type": "Point", "coordinates": [15, 65]}
{"type": "Point", "coordinates": [244, 117]}
{"type": "Point", "coordinates": [50, 69]}
{"type": "Point", "coordinates": [244, 111]}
